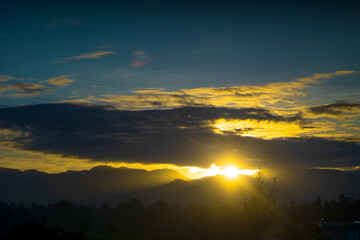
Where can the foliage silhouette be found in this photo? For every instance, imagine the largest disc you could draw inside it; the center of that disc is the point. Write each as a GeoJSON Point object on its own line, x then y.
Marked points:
{"type": "Point", "coordinates": [256, 218]}
{"type": "Point", "coordinates": [258, 209]}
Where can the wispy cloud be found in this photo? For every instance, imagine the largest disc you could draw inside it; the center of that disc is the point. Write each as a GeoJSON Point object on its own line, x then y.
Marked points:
{"type": "Point", "coordinates": [29, 89]}
{"type": "Point", "coordinates": [4, 88]}
{"type": "Point", "coordinates": [140, 59]}
{"type": "Point", "coordinates": [5, 78]}
{"type": "Point", "coordinates": [59, 81]}
{"type": "Point", "coordinates": [90, 55]}
{"type": "Point", "coordinates": [87, 100]}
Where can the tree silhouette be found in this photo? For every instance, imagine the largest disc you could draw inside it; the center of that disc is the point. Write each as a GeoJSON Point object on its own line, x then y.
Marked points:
{"type": "Point", "coordinates": [258, 208]}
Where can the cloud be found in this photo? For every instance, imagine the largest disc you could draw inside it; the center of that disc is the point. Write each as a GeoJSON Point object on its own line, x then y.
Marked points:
{"type": "Point", "coordinates": [273, 95]}
{"type": "Point", "coordinates": [5, 78]}
{"type": "Point", "coordinates": [91, 55]}
{"type": "Point", "coordinates": [82, 101]}
{"type": "Point", "coordinates": [275, 99]}
{"type": "Point", "coordinates": [339, 73]}
{"type": "Point", "coordinates": [56, 22]}
{"type": "Point", "coordinates": [194, 127]}
{"type": "Point", "coordinates": [181, 136]}
{"type": "Point", "coordinates": [337, 108]}
{"type": "Point", "coordinates": [267, 129]}
{"type": "Point", "coordinates": [4, 88]}
{"type": "Point", "coordinates": [140, 59]}
{"type": "Point", "coordinates": [59, 81]}
{"type": "Point", "coordinates": [26, 89]}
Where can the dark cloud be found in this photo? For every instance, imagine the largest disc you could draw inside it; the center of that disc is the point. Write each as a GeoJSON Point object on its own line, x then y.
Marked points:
{"type": "Point", "coordinates": [178, 136]}
{"type": "Point", "coordinates": [336, 108]}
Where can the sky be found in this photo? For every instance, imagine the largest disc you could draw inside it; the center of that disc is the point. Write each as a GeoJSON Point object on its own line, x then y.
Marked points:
{"type": "Point", "coordinates": [179, 84]}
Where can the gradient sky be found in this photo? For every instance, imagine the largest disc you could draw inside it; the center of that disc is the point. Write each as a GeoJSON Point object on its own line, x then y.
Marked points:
{"type": "Point", "coordinates": [179, 83]}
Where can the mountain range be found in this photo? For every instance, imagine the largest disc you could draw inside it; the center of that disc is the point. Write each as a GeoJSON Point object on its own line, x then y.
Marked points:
{"type": "Point", "coordinates": [105, 184]}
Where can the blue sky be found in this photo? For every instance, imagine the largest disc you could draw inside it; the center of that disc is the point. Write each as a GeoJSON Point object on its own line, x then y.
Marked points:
{"type": "Point", "coordinates": [188, 44]}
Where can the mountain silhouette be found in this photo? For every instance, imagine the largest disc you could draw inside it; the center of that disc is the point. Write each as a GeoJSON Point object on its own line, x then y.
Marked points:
{"type": "Point", "coordinates": [97, 185]}
{"type": "Point", "coordinates": [105, 184]}
{"type": "Point", "coordinates": [292, 184]}
{"type": "Point", "coordinates": [303, 185]}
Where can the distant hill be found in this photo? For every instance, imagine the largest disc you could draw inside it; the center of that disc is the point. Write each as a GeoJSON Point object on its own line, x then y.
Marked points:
{"type": "Point", "coordinates": [292, 184]}
{"type": "Point", "coordinates": [216, 190]}
{"type": "Point", "coordinates": [112, 185]}
{"type": "Point", "coordinates": [302, 185]}
{"type": "Point", "coordinates": [98, 185]}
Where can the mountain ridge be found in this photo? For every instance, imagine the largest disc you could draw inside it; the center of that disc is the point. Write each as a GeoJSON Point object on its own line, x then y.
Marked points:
{"type": "Point", "coordinates": [113, 185]}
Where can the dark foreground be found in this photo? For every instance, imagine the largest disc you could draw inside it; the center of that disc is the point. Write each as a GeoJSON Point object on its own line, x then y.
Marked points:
{"type": "Point", "coordinates": [255, 218]}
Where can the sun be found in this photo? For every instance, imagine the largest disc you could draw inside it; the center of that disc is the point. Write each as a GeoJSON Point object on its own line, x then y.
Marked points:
{"type": "Point", "coordinates": [227, 171]}
{"type": "Point", "coordinates": [230, 172]}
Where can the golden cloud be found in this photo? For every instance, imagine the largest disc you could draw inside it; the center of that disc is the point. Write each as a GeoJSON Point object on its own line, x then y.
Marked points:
{"type": "Point", "coordinates": [91, 55]}
{"type": "Point", "coordinates": [26, 89]}
{"type": "Point", "coordinates": [265, 96]}
{"type": "Point", "coordinates": [59, 81]}
{"type": "Point", "coordinates": [266, 129]}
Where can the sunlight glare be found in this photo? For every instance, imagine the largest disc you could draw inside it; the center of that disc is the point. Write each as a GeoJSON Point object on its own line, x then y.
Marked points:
{"type": "Point", "coordinates": [228, 171]}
